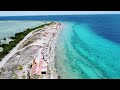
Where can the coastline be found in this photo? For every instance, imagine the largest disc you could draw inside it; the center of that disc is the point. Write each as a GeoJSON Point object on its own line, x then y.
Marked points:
{"type": "Point", "coordinates": [52, 65]}
{"type": "Point", "coordinates": [50, 61]}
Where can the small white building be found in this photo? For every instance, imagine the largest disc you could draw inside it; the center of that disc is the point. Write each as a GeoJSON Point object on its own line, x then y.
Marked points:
{"type": "Point", "coordinates": [44, 67]}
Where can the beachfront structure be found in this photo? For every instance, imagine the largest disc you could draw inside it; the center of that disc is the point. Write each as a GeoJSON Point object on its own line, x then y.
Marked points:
{"type": "Point", "coordinates": [44, 68]}
{"type": "Point", "coordinates": [38, 68]}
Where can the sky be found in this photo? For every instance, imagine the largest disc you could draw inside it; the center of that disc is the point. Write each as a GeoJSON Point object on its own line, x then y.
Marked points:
{"type": "Point", "coordinates": [24, 13]}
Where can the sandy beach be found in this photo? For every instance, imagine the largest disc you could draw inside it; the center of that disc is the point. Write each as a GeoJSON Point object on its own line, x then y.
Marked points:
{"type": "Point", "coordinates": [33, 57]}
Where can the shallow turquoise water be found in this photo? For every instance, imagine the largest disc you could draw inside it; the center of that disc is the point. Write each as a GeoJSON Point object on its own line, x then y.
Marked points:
{"type": "Point", "coordinates": [81, 53]}
{"type": "Point", "coordinates": [9, 28]}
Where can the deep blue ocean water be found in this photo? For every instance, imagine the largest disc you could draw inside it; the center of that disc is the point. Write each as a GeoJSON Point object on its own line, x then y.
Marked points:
{"type": "Point", "coordinates": [87, 47]}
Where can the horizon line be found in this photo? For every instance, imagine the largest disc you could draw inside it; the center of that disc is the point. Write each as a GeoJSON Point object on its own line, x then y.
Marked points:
{"type": "Point", "coordinates": [61, 14]}
{"type": "Point", "coordinates": [46, 13]}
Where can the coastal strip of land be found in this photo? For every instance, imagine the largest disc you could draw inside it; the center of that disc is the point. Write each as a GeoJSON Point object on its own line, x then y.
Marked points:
{"type": "Point", "coordinates": [33, 57]}
{"type": "Point", "coordinates": [7, 44]}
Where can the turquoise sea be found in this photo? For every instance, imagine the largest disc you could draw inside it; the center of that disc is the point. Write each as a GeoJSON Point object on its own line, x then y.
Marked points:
{"type": "Point", "coordinates": [88, 46]}
{"type": "Point", "coordinates": [82, 53]}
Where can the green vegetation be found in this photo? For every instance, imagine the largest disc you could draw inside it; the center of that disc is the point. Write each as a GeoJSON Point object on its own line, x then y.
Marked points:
{"type": "Point", "coordinates": [23, 77]}
{"type": "Point", "coordinates": [19, 67]}
{"type": "Point", "coordinates": [14, 76]}
{"type": "Point", "coordinates": [27, 43]}
{"type": "Point", "coordinates": [18, 37]}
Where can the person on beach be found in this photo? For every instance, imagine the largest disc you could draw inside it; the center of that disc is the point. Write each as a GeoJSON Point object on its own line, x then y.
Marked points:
{"type": "Point", "coordinates": [42, 55]}
{"type": "Point", "coordinates": [28, 74]}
